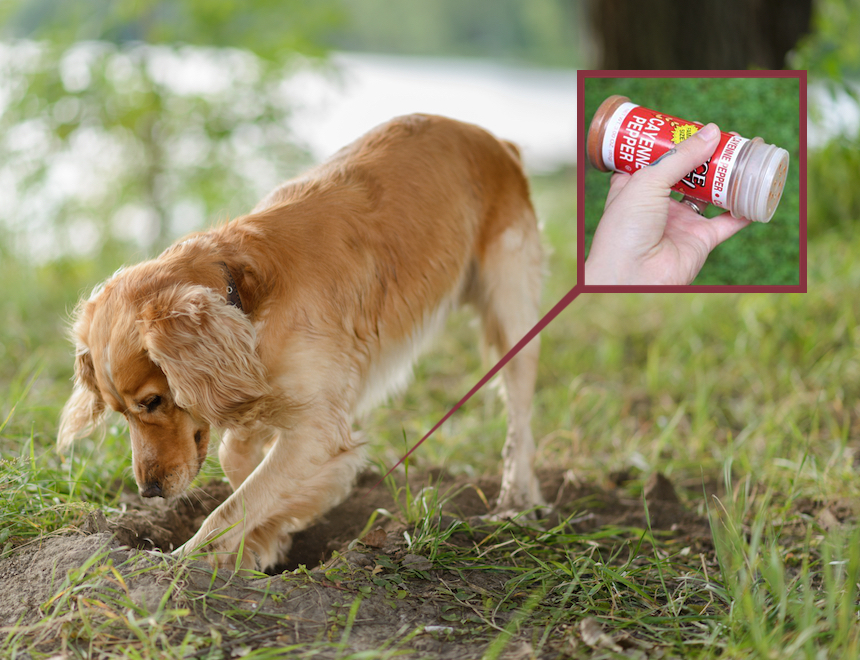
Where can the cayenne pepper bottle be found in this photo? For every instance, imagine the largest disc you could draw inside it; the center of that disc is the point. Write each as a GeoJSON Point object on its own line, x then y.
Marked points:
{"type": "Point", "coordinates": [745, 177]}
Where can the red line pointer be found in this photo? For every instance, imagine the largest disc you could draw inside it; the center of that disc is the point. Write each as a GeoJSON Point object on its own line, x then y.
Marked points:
{"type": "Point", "coordinates": [531, 334]}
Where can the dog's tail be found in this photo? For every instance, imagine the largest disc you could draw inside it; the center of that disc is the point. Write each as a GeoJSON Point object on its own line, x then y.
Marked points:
{"type": "Point", "coordinates": [513, 149]}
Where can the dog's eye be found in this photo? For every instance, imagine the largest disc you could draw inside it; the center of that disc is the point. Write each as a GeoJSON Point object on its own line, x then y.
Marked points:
{"type": "Point", "coordinates": [152, 403]}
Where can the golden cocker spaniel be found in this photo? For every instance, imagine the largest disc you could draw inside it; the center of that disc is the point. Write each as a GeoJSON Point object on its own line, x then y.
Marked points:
{"type": "Point", "coordinates": [281, 326]}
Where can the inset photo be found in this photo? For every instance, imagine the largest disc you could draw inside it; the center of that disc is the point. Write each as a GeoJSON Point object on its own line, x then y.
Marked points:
{"type": "Point", "coordinates": [692, 180]}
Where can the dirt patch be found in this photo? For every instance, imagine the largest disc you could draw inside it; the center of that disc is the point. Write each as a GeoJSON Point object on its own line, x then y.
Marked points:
{"type": "Point", "coordinates": [161, 525]}
{"type": "Point", "coordinates": [56, 579]}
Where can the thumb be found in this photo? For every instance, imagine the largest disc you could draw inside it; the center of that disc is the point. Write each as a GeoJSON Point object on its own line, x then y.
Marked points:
{"type": "Point", "coordinates": [676, 163]}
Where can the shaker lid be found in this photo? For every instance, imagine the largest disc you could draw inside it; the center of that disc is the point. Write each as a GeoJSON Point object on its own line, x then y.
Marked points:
{"type": "Point", "coordinates": [763, 181]}
{"type": "Point", "coordinates": [774, 173]}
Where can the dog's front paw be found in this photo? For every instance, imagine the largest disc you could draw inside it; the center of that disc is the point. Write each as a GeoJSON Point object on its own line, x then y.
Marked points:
{"type": "Point", "coordinates": [258, 551]}
{"type": "Point", "coordinates": [268, 548]}
{"type": "Point", "coordinates": [219, 553]}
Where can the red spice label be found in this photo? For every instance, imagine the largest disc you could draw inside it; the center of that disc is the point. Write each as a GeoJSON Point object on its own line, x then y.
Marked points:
{"type": "Point", "coordinates": [636, 137]}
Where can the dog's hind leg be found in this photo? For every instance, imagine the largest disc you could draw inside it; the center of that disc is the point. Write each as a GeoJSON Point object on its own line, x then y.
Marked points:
{"type": "Point", "coordinates": [507, 295]}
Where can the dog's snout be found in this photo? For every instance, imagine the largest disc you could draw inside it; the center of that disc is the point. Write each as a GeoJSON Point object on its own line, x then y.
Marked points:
{"type": "Point", "coordinates": [151, 489]}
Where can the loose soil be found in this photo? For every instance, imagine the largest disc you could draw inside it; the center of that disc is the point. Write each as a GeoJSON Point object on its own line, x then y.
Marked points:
{"type": "Point", "coordinates": [305, 606]}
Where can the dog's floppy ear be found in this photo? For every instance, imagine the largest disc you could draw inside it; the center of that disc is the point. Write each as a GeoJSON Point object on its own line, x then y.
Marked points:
{"type": "Point", "coordinates": [85, 408]}
{"type": "Point", "coordinates": [206, 348]}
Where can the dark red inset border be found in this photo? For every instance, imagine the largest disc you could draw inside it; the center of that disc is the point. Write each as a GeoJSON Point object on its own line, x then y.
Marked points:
{"type": "Point", "coordinates": [800, 76]}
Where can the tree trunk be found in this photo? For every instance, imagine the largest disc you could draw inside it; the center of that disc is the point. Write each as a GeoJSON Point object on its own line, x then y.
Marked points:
{"type": "Point", "coordinates": [710, 34]}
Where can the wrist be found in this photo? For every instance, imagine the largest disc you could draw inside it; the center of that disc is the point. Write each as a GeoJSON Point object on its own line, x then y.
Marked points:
{"type": "Point", "coordinates": [598, 272]}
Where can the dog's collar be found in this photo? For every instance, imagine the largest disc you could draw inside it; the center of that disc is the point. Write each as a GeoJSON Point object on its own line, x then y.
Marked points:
{"type": "Point", "coordinates": [233, 296]}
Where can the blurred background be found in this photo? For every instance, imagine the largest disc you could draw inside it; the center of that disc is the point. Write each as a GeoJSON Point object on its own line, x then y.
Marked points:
{"type": "Point", "coordinates": [126, 124]}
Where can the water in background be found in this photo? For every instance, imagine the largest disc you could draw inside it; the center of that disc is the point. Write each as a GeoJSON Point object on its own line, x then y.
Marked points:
{"type": "Point", "coordinates": [535, 108]}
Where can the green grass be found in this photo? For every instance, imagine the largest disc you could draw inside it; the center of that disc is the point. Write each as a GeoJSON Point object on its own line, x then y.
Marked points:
{"type": "Point", "coordinates": [767, 107]}
{"type": "Point", "coordinates": [754, 396]}
{"type": "Point", "coordinates": [785, 596]}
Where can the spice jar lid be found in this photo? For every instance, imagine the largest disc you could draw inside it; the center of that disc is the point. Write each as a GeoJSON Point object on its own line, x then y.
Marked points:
{"type": "Point", "coordinates": [762, 191]}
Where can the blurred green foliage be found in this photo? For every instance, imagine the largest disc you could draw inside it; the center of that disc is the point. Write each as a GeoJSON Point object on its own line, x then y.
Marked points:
{"type": "Point", "coordinates": [831, 54]}
{"type": "Point", "coordinates": [832, 49]}
{"type": "Point", "coordinates": [271, 29]}
{"type": "Point", "coordinates": [833, 191]}
{"type": "Point", "coordinates": [120, 144]}
{"type": "Point", "coordinates": [767, 107]}
{"type": "Point", "coordinates": [541, 31]}
{"type": "Point", "coordinates": [127, 124]}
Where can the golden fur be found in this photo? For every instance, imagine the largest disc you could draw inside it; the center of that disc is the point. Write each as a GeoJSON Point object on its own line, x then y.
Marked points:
{"type": "Point", "coordinates": [343, 275]}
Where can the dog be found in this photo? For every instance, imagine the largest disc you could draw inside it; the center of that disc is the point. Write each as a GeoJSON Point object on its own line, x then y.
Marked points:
{"type": "Point", "coordinates": [281, 327]}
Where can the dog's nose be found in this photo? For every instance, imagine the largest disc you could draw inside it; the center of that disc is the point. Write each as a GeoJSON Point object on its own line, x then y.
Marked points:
{"type": "Point", "coordinates": [152, 489]}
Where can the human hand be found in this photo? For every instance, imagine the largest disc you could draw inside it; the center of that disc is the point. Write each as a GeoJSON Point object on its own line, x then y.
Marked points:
{"type": "Point", "coordinates": [647, 238]}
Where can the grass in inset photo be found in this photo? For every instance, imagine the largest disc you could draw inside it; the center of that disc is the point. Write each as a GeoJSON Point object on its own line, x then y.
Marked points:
{"type": "Point", "coordinates": [761, 254]}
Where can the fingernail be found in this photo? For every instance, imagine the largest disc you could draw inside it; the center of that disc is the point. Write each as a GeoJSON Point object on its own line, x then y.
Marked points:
{"type": "Point", "coordinates": [709, 132]}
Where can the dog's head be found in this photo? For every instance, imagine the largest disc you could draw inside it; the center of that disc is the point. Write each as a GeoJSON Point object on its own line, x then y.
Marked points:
{"type": "Point", "coordinates": [172, 356]}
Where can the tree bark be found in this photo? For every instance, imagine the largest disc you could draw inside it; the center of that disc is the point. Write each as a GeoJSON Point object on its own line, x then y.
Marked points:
{"type": "Point", "coordinates": [709, 34]}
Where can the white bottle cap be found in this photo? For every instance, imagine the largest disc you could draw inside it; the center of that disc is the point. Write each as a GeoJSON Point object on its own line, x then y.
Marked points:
{"type": "Point", "coordinates": [762, 181]}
